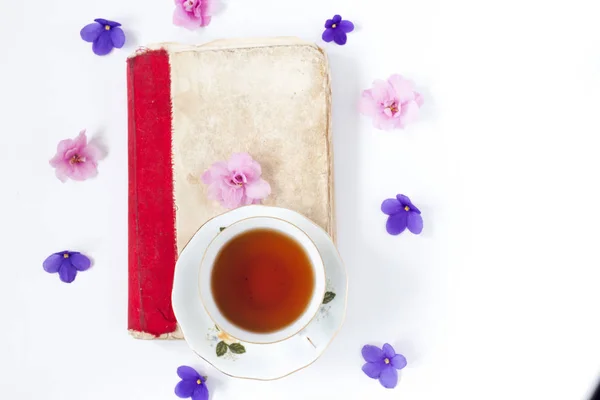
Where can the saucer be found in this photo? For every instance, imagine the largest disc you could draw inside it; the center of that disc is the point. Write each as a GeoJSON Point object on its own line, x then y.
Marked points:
{"type": "Point", "coordinates": [249, 360]}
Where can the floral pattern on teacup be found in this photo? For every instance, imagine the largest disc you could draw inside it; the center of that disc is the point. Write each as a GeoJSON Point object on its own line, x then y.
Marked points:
{"type": "Point", "coordinates": [224, 344]}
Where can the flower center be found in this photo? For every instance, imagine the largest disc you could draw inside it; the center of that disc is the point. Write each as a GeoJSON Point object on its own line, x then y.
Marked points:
{"type": "Point", "coordinates": [238, 180]}
{"type": "Point", "coordinates": [66, 255]}
{"type": "Point", "coordinates": [393, 108]}
{"type": "Point", "coordinates": [188, 5]}
{"type": "Point", "coordinates": [386, 360]}
{"type": "Point", "coordinates": [199, 381]}
{"type": "Point", "coordinates": [107, 27]}
{"type": "Point", "coordinates": [76, 159]}
{"type": "Point", "coordinates": [334, 26]}
{"type": "Point", "coordinates": [406, 208]}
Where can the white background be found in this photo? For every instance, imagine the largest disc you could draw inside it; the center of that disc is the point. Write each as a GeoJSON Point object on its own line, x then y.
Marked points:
{"type": "Point", "coordinates": [497, 299]}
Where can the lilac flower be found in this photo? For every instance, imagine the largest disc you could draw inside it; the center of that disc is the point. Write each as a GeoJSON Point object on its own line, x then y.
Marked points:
{"type": "Point", "coordinates": [336, 29]}
{"type": "Point", "coordinates": [76, 158]}
{"type": "Point", "coordinates": [236, 182]}
{"type": "Point", "coordinates": [104, 35]}
{"type": "Point", "coordinates": [382, 364]}
{"type": "Point", "coordinates": [66, 263]}
{"type": "Point", "coordinates": [392, 104]}
{"type": "Point", "coordinates": [402, 213]}
{"type": "Point", "coordinates": [191, 385]}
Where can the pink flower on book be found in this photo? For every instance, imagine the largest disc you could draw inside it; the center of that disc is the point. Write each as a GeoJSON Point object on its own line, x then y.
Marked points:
{"type": "Point", "coordinates": [236, 182]}
{"type": "Point", "coordinates": [392, 104]}
{"type": "Point", "coordinates": [76, 159]}
{"type": "Point", "coordinates": [192, 14]}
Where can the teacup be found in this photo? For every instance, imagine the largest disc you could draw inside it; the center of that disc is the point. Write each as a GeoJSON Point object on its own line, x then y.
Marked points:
{"type": "Point", "coordinates": [223, 243]}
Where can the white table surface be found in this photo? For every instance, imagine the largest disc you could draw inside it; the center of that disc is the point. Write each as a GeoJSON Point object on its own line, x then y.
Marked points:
{"type": "Point", "coordinates": [497, 299]}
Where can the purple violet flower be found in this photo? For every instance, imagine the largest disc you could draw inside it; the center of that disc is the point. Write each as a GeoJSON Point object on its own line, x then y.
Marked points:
{"type": "Point", "coordinates": [66, 263]}
{"type": "Point", "coordinates": [191, 385]}
{"type": "Point", "coordinates": [104, 35]}
{"type": "Point", "coordinates": [336, 29]}
{"type": "Point", "coordinates": [383, 364]}
{"type": "Point", "coordinates": [402, 214]}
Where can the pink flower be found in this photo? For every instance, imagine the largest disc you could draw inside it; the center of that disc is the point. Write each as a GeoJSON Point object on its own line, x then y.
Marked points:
{"type": "Point", "coordinates": [392, 103]}
{"type": "Point", "coordinates": [76, 159]}
{"type": "Point", "coordinates": [192, 14]}
{"type": "Point", "coordinates": [236, 182]}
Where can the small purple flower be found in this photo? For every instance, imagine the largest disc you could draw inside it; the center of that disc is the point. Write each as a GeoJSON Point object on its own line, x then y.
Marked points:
{"type": "Point", "coordinates": [191, 385]}
{"type": "Point", "coordinates": [336, 29]}
{"type": "Point", "coordinates": [104, 35]}
{"type": "Point", "coordinates": [66, 263]}
{"type": "Point", "coordinates": [382, 364]}
{"type": "Point", "coordinates": [402, 213]}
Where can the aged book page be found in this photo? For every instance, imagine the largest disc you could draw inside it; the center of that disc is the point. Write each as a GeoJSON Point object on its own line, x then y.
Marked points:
{"type": "Point", "coordinates": [270, 98]}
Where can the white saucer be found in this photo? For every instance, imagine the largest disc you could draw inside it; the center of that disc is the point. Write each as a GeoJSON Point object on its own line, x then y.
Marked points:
{"type": "Point", "coordinates": [247, 360]}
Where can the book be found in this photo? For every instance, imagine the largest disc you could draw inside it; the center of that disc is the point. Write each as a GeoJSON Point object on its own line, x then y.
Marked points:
{"type": "Point", "coordinates": [191, 106]}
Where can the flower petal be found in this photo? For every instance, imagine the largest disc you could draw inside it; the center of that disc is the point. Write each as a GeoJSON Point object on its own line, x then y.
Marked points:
{"type": "Point", "coordinates": [90, 32]}
{"type": "Point", "coordinates": [389, 377]}
{"type": "Point", "coordinates": [239, 161]}
{"type": "Point", "coordinates": [108, 22]}
{"type": "Point", "coordinates": [388, 350]}
{"type": "Point", "coordinates": [67, 272]}
{"type": "Point", "coordinates": [188, 373]}
{"type": "Point", "coordinates": [258, 189]}
{"type": "Point", "coordinates": [231, 197]}
{"type": "Point", "coordinates": [201, 393]}
{"type": "Point", "coordinates": [391, 206]}
{"type": "Point", "coordinates": [328, 23]}
{"type": "Point", "coordinates": [80, 262]}
{"type": "Point", "coordinates": [216, 172]}
{"type": "Point", "coordinates": [372, 353]}
{"type": "Point", "coordinates": [252, 171]}
{"type": "Point", "coordinates": [398, 361]}
{"type": "Point", "coordinates": [327, 35]}
{"type": "Point", "coordinates": [80, 141]}
{"type": "Point", "coordinates": [404, 88]}
{"type": "Point", "coordinates": [346, 26]}
{"type": "Point", "coordinates": [52, 264]}
{"type": "Point", "coordinates": [183, 19]}
{"type": "Point", "coordinates": [405, 201]}
{"type": "Point", "coordinates": [367, 105]}
{"type": "Point", "coordinates": [103, 44]}
{"type": "Point", "coordinates": [384, 122]}
{"type": "Point", "coordinates": [336, 19]}
{"type": "Point", "coordinates": [382, 91]}
{"type": "Point", "coordinates": [185, 388]}
{"type": "Point", "coordinates": [414, 222]}
{"type": "Point", "coordinates": [83, 171]}
{"type": "Point", "coordinates": [92, 152]}
{"type": "Point", "coordinates": [419, 99]}
{"type": "Point", "coordinates": [409, 112]}
{"type": "Point", "coordinates": [396, 224]}
{"type": "Point", "coordinates": [373, 369]}
{"type": "Point", "coordinates": [62, 172]}
{"type": "Point", "coordinates": [118, 37]}
{"type": "Point", "coordinates": [339, 37]}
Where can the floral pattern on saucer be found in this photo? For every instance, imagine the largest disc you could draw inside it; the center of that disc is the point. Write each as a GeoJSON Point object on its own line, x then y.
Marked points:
{"type": "Point", "coordinates": [225, 345]}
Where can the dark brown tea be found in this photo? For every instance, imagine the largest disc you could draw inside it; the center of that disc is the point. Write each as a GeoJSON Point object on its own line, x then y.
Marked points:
{"type": "Point", "coordinates": [262, 280]}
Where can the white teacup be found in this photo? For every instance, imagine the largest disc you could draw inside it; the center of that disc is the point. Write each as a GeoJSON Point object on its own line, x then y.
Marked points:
{"type": "Point", "coordinates": [238, 228]}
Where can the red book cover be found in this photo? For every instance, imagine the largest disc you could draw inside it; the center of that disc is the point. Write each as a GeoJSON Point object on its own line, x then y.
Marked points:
{"type": "Point", "coordinates": [152, 248]}
{"type": "Point", "coordinates": [191, 106]}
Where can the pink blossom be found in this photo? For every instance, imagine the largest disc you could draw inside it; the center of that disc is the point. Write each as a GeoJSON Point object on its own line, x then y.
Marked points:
{"type": "Point", "coordinates": [192, 14]}
{"type": "Point", "coordinates": [392, 103]}
{"type": "Point", "coordinates": [236, 182]}
{"type": "Point", "coordinates": [76, 159]}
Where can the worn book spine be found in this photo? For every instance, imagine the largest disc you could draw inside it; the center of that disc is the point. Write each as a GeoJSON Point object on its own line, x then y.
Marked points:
{"type": "Point", "coordinates": [152, 237]}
